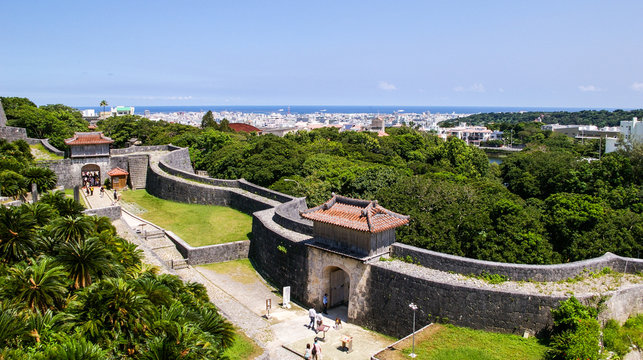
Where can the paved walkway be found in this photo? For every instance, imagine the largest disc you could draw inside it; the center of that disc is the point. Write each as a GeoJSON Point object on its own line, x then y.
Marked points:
{"type": "Point", "coordinates": [243, 303]}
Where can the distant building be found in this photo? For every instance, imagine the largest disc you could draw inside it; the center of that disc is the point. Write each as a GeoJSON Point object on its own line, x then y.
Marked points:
{"type": "Point", "coordinates": [88, 113]}
{"type": "Point", "coordinates": [122, 110]}
{"type": "Point", "coordinates": [631, 132]}
{"type": "Point", "coordinates": [241, 127]}
{"type": "Point", "coordinates": [279, 131]}
{"type": "Point", "coordinates": [583, 131]}
{"type": "Point", "coordinates": [470, 134]}
{"type": "Point", "coordinates": [377, 124]}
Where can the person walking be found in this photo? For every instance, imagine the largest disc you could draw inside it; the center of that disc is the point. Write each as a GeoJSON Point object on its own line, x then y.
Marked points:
{"type": "Point", "coordinates": [91, 189]}
{"type": "Point", "coordinates": [312, 314]}
{"type": "Point", "coordinates": [102, 191]}
{"type": "Point", "coordinates": [317, 352]}
{"type": "Point", "coordinates": [320, 321]}
{"type": "Point", "coordinates": [307, 352]}
{"type": "Point", "coordinates": [325, 301]}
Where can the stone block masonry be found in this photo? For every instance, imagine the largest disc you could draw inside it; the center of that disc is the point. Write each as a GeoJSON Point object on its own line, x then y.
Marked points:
{"type": "Point", "coordinates": [112, 212]}
{"type": "Point", "coordinates": [137, 167]}
{"type": "Point", "coordinates": [517, 272]}
{"type": "Point", "coordinates": [211, 253]}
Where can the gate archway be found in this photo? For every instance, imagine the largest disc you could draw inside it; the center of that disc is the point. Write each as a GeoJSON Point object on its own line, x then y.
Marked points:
{"type": "Point", "coordinates": [337, 286]}
{"type": "Point", "coordinates": [90, 174]}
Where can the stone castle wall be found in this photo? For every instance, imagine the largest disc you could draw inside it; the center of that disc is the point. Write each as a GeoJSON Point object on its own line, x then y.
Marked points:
{"type": "Point", "coordinates": [517, 272]}
{"type": "Point", "coordinates": [382, 291]}
{"type": "Point", "coordinates": [212, 253]}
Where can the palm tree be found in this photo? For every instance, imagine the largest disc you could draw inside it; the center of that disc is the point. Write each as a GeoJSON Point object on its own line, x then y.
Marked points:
{"type": "Point", "coordinates": [41, 213]}
{"type": "Point", "coordinates": [13, 327]}
{"type": "Point", "coordinates": [74, 348]}
{"type": "Point", "coordinates": [84, 259]}
{"type": "Point", "coordinates": [41, 285]}
{"type": "Point", "coordinates": [44, 178]}
{"type": "Point", "coordinates": [103, 103]}
{"type": "Point", "coordinates": [17, 234]}
{"type": "Point", "coordinates": [69, 228]}
{"type": "Point", "coordinates": [214, 324]}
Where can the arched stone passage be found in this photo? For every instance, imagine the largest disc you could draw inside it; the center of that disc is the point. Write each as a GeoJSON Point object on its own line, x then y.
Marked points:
{"type": "Point", "coordinates": [91, 174]}
{"type": "Point", "coordinates": [336, 284]}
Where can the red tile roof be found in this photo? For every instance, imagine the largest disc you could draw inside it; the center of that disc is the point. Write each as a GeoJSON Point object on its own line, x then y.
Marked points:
{"type": "Point", "coordinates": [241, 127]}
{"type": "Point", "coordinates": [88, 138]}
{"type": "Point", "coordinates": [355, 214]}
{"type": "Point", "coordinates": [117, 172]}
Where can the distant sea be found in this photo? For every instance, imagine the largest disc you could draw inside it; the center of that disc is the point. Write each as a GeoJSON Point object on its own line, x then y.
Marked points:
{"type": "Point", "coordinates": [352, 109]}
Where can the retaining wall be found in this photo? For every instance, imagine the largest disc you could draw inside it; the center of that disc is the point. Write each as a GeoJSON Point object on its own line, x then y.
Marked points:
{"type": "Point", "coordinates": [137, 149]}
{"type": "Point", "coordinates": [11, 133]}
{"type": "Point", "coordinates": [287, 215]}
{"type": "Point", "coordinates": [212, 253]}
{"type": "Point", "coordinates": [169, 187]}
{"type": "Point", "coordinates": [280, 255]}
{"type": "Point", "coordinates": [518, 272]}
{"type": "Point", "coordinates": [49, 147]}
{"type": "Point", "coordinates": [112, 212]}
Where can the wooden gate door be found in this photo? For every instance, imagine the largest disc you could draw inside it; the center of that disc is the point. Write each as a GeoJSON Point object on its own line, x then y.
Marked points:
{"type": "Point", "coordinates": [337, 288]}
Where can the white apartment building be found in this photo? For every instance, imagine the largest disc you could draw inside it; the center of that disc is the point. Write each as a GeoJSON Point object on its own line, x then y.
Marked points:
{"type": "Point", "coordinates": [632, 131]}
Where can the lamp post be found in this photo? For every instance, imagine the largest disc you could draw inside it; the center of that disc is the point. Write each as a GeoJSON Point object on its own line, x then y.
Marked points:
{"type": "Point", "coordinates": [413, 307]}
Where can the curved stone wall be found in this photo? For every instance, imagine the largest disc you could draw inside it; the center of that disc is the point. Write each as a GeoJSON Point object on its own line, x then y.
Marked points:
{"type": "Point", "coordinates": [280, 251]}
{"type": "Point", "coordinates": [518, 272]}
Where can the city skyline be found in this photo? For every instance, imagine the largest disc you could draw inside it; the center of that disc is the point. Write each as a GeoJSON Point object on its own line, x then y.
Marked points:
{"type": "Point", "coordinates": [583, 54]}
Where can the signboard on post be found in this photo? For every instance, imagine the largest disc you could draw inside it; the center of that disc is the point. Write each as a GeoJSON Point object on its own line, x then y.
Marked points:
{"type": "Point", "coordinates": [268, 305]}
{"type": "Point", "coordinates": [286, 297]}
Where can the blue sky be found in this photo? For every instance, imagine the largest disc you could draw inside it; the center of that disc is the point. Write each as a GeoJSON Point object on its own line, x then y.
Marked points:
{"type": "Point", "coordinates": [479, 53]}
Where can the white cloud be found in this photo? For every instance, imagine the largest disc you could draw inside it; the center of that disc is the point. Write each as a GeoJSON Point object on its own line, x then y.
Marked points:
{"type": "Point", "coordinates": [589, 88]}
{"type": "Point", "coordinates": [383, 85]}
{"type": "Point", "coordinates": [637, 86]}
{"type": "Point", "coordinates": [477, 87]}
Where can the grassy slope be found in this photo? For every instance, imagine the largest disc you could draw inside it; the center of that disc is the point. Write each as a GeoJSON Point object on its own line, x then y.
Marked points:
{"type": "Point", "coordinates": [451, 342]}
{"type": "Point", "coordinates": [243, 348]}
{"type": "Point", "coordinates": [40, 153]}
{"type": "Point", "coordinates": [198, 225]}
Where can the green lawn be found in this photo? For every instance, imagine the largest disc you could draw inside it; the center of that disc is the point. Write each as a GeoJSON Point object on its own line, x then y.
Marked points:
{"type": "Point", "coordinates": [198, 225]}
{"type": "Point", "coordinates": [240, 270]}
{"type": "Point", "coordinates": [244, 348]}
{"type": "Point", "coordinates": [448, 342]}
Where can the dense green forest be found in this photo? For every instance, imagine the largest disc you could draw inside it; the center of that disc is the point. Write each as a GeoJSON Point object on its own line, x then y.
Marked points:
{"type": "Point", "coordinates": [71, 288]}
{"type": "Point", "coordinates": [546, 204]}
{"type": "Point", "coordinates": [599, 118]}
{"type": "Point", "coordinates": [555, 201]}
{"type": "Point", "coordinates": [54, 122]}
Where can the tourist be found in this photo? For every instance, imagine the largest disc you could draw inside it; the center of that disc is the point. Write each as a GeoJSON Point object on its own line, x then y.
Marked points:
{"type": "Point", "coordinates": [102, 191]}
{"type": "Point", "coordinates": [338, 323]}
{"type": "Point", "coordinates": [307, 353]}
{"type": "Point", "coordinates": [91, 190]}
{"type": "Point", "coordinates": [115, 197]}
{"type": "Point", "coordinates": [312, 314]}
{"type": "Point", "coordinates": [325, 301]}
{"type": "Point", "coordinates": [317, 353]}
{"type": "Point", "coordinates": [320, 321]}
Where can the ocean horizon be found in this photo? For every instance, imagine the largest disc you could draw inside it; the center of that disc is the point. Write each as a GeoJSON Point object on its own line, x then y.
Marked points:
{"type": "Point", "coordinates": [345, 109]}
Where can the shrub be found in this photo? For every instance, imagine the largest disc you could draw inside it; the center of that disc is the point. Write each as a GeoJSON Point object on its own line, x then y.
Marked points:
{"type": "Point", "coordinates": [576, 331]}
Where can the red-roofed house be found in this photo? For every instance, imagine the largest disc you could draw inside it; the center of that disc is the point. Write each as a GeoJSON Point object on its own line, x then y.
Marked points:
{"type": "Point", "coordinates": [241, 127]}
{"type": "Point", "coordinates": [357, 227]}
{"type": "Point", "coordinates": [88, 144]}
{"type": "Point", "coordinates": [118, 178]}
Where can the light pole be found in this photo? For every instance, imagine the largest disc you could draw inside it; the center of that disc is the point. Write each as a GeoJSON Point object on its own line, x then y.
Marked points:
{"type": "Point", "coordinates": [413, 307]}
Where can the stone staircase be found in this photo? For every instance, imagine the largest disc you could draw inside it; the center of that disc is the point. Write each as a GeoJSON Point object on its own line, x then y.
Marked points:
{"type": "Point", "coordinates": [138, 170]}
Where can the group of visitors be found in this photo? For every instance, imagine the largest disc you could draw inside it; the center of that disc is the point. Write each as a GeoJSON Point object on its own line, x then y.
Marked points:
{"type": "Point", "coordinates": [316, 324]}
{"type": "Point", "coordinates": [91, 178]}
